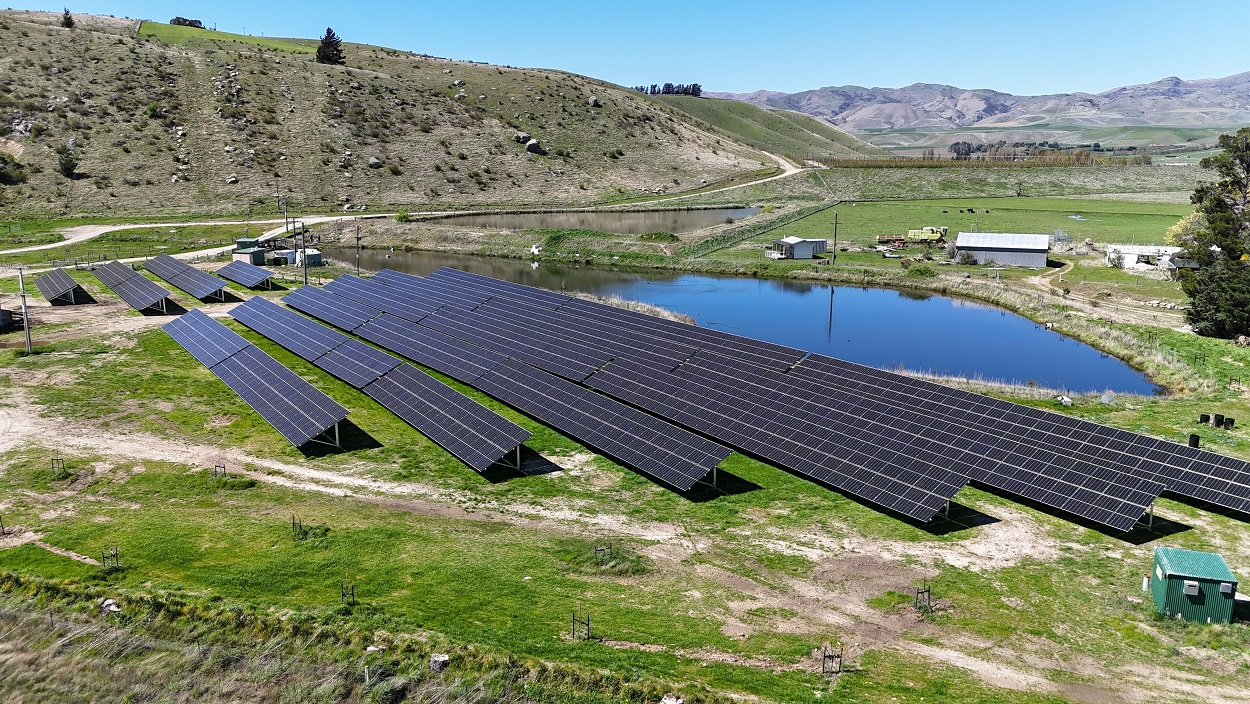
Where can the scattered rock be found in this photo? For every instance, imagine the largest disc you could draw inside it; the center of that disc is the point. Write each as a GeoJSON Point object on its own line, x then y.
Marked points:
{"type": "Point", "coordinates": [446, 70]}
{"type": "Point", "coordinates": [438, 662]}
{"type": "Point", "coordinates": [457, 83]}
{"type": "Point", "coordinates": [519, 137]}
{"type": "Point", "coordinates": [375, 163]}
{"type": "Point", "coordinates": [1242, 341]}
{"type": "Point", "coordinates": [73, 143]}
{"type": "Point", "coordinates": [594, 102]}
{"type": "Point", "coordinates": [232, 179]}
{"type": "Point", "coordinates": [175, 178]}
{"type": "Point", "coordinates": [672, 699]}
{"type": "Point", "coordinates": [534, 147]}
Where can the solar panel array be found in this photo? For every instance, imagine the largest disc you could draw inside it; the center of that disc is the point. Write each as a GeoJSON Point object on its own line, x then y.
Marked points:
{"type": "Point", "coordinates": [137, 290]}
{"type": "Point", "coordinates": [647, 444]}
{"type": "Point", "coordinates": [182, 275]}
{"type": "Point", "coordinates": [57, 284]}
{"type": "Point", "coordinates": [294, 407]}
{"type": "Point", "coordinates": [245, 274]}
{"type": "Point", "coordinates": [476, 435]}
{"type": "Point", "coordinates": [905, 444]}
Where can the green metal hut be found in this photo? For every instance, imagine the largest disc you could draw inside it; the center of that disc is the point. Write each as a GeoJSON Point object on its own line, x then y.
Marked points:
{"type": "Point", "coordinates": [1195, 586]}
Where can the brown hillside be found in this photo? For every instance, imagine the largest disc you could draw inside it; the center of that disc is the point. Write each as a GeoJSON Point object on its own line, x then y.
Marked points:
{"type": "Point", "coordinates": [160, 118]}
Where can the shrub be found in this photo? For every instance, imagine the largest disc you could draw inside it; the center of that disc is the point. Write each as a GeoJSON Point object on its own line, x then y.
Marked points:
{"type": "Point", "coordinates": [402, 216]}
{"type": "Point", "coordinates": [920, 271]}
{"type": "Point", "coordinates": [659, 236]}
{"type": "Point", "coordinates": [967, 258]}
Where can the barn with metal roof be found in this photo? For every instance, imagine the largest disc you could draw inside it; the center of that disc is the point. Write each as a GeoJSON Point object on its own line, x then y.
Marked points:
{"type": "Point", "coordinates": [1003, 248]}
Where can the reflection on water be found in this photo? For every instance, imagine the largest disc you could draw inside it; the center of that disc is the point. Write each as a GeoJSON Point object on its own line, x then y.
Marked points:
{"type": "Point", "coordinates": [878, 327]}
{"type": "Point", "coordinates": [604, 221]}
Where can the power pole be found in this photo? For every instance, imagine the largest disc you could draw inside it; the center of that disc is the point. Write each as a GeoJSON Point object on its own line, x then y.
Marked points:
{"type": "Point", "coordinates": [357, 249]}
{"type": "Point", "coordinates": [21, 284]}
{"type": "Point", "coordinates": [303, 236]}
{"type": "Point", "coordinates": [833, 253]}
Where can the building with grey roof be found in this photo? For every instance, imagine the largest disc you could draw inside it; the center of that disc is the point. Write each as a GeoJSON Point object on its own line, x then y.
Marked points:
{"type": "Point", "coordinates": [1004, 249]}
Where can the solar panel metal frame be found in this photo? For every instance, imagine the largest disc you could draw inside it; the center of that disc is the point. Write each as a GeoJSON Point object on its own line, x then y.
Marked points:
{"type": "Point", "coordinates": [472, 433]}
{"type": "Point", "coordinates": [56, 284]}
{"type": "Point", "coordinates": [245, 274]}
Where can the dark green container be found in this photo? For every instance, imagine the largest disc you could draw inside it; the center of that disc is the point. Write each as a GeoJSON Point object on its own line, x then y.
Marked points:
{"type": "Point", "coordinates": [1195, 586]}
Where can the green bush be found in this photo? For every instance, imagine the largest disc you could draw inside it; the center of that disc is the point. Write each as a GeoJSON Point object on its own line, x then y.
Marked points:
{"type": "Point", "coordinates": [402, 216]}
{"type": "Point", "coordinates": [659, 236]}
{"type": "Point", "coordinates": [920, 271]}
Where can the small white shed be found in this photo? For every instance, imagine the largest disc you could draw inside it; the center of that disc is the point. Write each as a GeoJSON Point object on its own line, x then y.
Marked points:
{"type": "Point", "coordinates": [797, 248]}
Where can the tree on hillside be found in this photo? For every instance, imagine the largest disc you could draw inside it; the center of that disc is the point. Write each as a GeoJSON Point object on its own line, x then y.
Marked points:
{"type": "Point", "coordinates": [330, 50]}
{"type": "Point", "coordinates": [961, 150]}
{"type": "Point", "coordinates": [1220, 288]}
{"type": "Point", "coordinates": [1182, 234]}
{"type": "Point", "coordinates": [67, 20]}
{"type": "Point", "coordinates": [66, 162]}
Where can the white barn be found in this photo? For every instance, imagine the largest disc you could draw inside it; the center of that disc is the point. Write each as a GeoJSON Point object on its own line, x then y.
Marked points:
{"type": "Point", "coordinates": [1004, 248]}
{"type": "Point", "coordinates": [797, 248]}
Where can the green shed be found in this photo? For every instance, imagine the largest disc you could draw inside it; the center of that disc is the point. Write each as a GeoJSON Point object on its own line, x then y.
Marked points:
{"type": "Point", "coordinates": [1195, 586]}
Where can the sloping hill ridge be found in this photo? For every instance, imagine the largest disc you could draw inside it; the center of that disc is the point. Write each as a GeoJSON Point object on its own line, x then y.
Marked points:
{"type": "Point", "coordinates": [1171, 101]}
{"type": "Point", "coordinates": [778, 131]}
{"type": "Point", "coordinates": [165, 119]}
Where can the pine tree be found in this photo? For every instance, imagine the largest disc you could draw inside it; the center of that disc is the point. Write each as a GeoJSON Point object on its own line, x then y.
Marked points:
{"type": "Point", "coordinates": [67, 20]}
{"type": "Point", "coordinates": [330, 51]}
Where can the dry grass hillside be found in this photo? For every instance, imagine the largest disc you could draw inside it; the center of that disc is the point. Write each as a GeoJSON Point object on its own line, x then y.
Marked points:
{"type": "Point", "coordinates": [167, 119]}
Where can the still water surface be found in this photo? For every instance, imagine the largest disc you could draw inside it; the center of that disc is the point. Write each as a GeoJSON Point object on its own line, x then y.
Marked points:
{"type": "Point", "coordinates": [604, 221]}
{"type": "Point", "coordinates": [879, 327]}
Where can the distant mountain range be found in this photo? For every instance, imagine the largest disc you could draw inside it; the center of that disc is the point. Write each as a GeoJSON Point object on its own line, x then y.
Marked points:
{"type": "Point", "coordinates": [1206, 102]}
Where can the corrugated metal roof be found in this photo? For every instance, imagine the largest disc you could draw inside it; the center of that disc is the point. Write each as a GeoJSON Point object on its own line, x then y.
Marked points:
{"type": "Point", "coordinates": [791, 240]}
{"type": "Point", "coordinates": [1002, 240]}
{"type": "Point", "coordinates": [1191, 563]}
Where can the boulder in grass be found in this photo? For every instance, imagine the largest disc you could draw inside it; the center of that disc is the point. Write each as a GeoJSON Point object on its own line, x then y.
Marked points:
{"type": "Point", "coordinates": [375, 163]}
{"type": "Point", "coordinates": [232, 179]}
{"type": "Point", "coordinates": [521, 137]}
{"type": "Point", "coordinates": [594, 102]}
{"type": "Point", "coordinates": [438, 662]}
{"type": "Point", "coordinates": [534, 147]}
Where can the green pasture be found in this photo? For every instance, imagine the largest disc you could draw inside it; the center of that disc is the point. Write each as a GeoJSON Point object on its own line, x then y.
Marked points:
{"type": "Point", "coordinates": [207, 38]}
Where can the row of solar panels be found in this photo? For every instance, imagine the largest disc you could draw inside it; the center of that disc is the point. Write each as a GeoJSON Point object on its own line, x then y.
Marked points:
{"type": "Point", "coordinates": [58, 285]}
{"type": "Point", "coordinates": [476, 435]}
{"type": "Point", "coordinates": [294, 407]}
{"type": "Point", "coordinates": [371, 310]}
{"type": "Point", "coordinates": [905, 444]}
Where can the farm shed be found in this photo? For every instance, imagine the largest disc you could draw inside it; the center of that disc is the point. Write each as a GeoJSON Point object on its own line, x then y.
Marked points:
{"type": "Point", "coordinates": [797, 248]}
{"type": "Point", "coordinates": [1145, 256]}
{"type": "Point", "coordinates": [1003, 248]}
{"type": "Point", "coordinates": [1195, 586]}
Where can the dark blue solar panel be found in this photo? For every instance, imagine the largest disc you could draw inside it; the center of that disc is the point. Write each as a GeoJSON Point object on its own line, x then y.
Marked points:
{"type": "Point", "coordinates": [244, 274]}
{"type": "Point", "coordinates": [304, 337]}
{"type": "Point", "coordinates": [335, 310]}
{"type": "Point", "coordinates": [206, 339]}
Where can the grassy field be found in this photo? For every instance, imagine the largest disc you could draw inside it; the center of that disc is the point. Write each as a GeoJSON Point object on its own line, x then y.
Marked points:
{"type": "Point", "coordinates": [1103, 221]}
{"type": "Point", "coordinates": [211, 39]}
{"type": "Point", "coordinates": [776, 131]}
{"type": "Point", "coordinates": [917, 138]}
{"type": "Point", "coordinates": [138, 242]}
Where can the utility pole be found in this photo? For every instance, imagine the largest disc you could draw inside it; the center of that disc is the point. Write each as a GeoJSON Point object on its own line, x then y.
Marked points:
{"type": "Point", "coordinates": [303, 236]}
{"type": "Point", "coordinates": [21, 284]}
{"type": "Point", "coordinates": [358, 249]}
{"type": "Point", "coordinates": [833, 253]}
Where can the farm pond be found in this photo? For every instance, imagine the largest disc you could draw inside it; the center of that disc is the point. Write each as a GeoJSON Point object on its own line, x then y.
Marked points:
{"type": "Point", "coordinates": [884, 328]}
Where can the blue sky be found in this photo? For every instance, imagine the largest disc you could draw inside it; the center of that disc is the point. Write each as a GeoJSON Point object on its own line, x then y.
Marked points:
{"type": "Point", "coordinates": [1021, 47]}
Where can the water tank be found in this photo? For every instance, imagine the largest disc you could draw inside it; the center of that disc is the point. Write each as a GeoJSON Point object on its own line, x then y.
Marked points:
{"type": "Point", "coordinates": [1205, 419]}
{"type": "Point", "coordinates": [1228, 423]}
{"type": "Point", "coordinates": [1219, 419]}
{"type": "Point", "coordinates": [1193, 440]}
